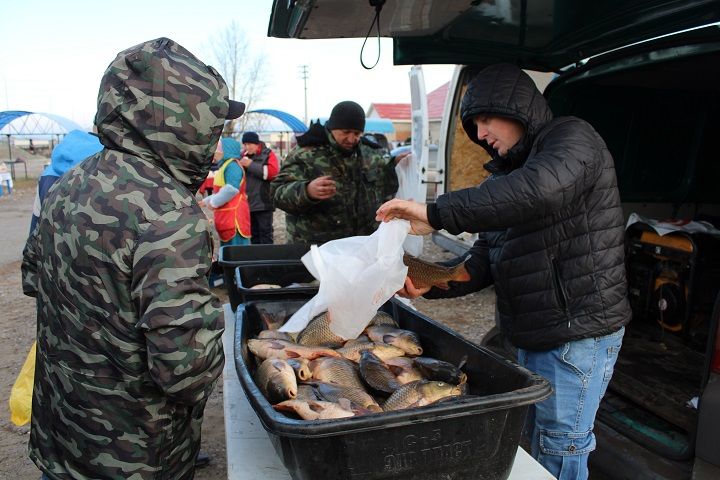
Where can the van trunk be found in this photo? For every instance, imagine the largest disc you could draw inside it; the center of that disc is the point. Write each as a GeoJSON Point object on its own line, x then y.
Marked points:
{"type": "Point", "coordinates": [659, 113]}
{"type": "Point", "coordinates": [660, 120]}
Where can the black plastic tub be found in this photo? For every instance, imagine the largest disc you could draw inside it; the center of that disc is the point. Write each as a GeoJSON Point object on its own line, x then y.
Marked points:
{"type": "Point", "coordinates": [246, 266]}
{"type": "Point", "coordinates": [475, 437]}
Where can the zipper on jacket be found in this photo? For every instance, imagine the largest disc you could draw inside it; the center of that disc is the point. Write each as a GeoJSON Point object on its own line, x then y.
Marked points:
{"type": "Point", "coordinates": [560, 288]}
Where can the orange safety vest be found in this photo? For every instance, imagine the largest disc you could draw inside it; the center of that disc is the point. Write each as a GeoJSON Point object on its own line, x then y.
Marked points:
{"type": "Point", "coordinates": [234, 216]}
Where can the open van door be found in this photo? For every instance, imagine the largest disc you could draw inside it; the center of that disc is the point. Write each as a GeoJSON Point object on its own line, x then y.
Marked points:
{"type": "Point", "coordinates": [410, 170]}
{"type": "Point", "coordinates": [420, 129]}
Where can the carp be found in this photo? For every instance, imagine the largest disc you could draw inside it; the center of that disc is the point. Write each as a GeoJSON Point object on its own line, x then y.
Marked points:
{"type": "Point", "coordinates": [333, 393]}
{"type": "Point", "coordinates": [338, 371]}
{"type": "Point", "coordinates": [276, 380]}
{"type": "Point", "coordinates": [315, 409]}
{"type": "Point", "coordinates": [430, 274]}
{"type": "Point", "coordinates": [382, 350]}
{"type": "Point", "coordinates": [382, 318]}
{"type": "Point", "coordinates": [356, 341]}
{"type": "Point", "coordinates": [434, 369]}
{"type": "Point", "coordinates": [419, 394]}
{"type": "Point", "coordinates": [317, 333]}
{"type": "Point", "coordinates": [404, 369]}
{"type": "Point", "coordinates": [272, 348]}
{"type": "Point", "coordinates": [376, 374]}
{"type": "Point", "coordinates": [405, 340]}
{"type": "Point", "coordinates": [301, 366]}
{"type": "Point", "coordinates": [276, 334]}
{"type": "Point", "coordinates": [272, 321]}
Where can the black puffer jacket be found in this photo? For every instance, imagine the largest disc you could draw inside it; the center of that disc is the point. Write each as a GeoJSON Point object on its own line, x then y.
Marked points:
{"type": "Point", "coordinates": [552, 240]}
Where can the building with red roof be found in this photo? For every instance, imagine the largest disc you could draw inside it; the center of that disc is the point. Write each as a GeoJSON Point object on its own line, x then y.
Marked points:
{"type": "Point", "coordinates": [399, 114]}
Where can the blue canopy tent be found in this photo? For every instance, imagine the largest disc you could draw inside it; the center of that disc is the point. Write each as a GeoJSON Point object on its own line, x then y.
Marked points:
{"type": "Point", "coordinates": [296, 125]}
{"type": "Point", "coordinates": [34, 125]}
{"type": "Point", "coordinates": [373, 125]}
{"type": "Point", "coordinates": [284, 124]}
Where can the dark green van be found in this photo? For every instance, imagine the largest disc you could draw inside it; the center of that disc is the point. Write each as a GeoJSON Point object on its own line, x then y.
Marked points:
{"type": "Point", "coordinates": [646, 75]}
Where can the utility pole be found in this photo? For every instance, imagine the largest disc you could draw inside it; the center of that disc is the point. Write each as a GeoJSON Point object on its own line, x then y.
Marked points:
{"type": "Point", "coordinates": [304, 73]}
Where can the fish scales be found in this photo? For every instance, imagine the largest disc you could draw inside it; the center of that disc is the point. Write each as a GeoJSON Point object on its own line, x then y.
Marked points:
{"type": "Point", "coordinates": [430, 274]}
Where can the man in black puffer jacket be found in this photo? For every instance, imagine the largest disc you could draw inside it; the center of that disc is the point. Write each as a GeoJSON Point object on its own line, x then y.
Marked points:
{"type": "Point", "coordinates": [551, 241]}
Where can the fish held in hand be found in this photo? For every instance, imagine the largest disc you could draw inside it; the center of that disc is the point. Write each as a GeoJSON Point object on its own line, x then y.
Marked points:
{"type": "Point", "coordinates": [276, 380]}
{"type": "Point", "coordinates": [429, 274]}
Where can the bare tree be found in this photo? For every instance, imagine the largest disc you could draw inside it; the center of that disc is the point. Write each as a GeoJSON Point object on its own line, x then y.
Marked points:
{"type": "Point", "coordinates": [242, 67]}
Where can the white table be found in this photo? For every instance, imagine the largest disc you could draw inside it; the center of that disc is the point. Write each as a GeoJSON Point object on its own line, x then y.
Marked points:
{"type": "Point", "coordinates": [251, 456]}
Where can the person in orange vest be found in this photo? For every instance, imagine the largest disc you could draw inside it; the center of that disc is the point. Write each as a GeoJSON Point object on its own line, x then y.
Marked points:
{"type": "Point", "coordinates": [229, 200]}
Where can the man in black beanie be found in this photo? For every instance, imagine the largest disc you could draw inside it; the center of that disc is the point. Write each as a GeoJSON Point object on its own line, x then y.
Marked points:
{"type": "Point", "coordinates": [331, 184]}
{"type": "Point", "coordinates": [261, 166]}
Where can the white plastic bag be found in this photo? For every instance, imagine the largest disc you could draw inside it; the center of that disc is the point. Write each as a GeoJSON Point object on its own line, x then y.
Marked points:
{"type": "Point", "coordinates": [411, 188]}
{"type": "Point", "coordinates": [357, 275]}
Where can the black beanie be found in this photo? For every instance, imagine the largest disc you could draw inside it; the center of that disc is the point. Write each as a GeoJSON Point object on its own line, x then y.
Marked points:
{"type": "Point", "coordinates": [346, 115]}
{"type": "Point", "coordinates": [250, 137]}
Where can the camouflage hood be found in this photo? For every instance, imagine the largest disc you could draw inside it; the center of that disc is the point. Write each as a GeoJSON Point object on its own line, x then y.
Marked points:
{"type": "Point", "coordinates": [157, 101]}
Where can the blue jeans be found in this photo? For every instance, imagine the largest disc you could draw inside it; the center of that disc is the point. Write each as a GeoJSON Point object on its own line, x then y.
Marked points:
{"type": "Point", "coordinates": [561, 426]}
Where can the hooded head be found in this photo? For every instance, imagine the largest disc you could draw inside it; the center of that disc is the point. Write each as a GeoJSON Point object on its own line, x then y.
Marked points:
{"type": "Point", "coordinates": [75, 147]}
{"type": "Point", "coordinates": [230, 148]}
{"type": "Point", "coordinates": [504, 90]}
{"type": "Point", "coordinates": [159, 102]}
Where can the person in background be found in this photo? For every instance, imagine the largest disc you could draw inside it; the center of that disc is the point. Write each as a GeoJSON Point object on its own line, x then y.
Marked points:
{"type": "Point", "coordinates": [551, 235]}
{"type": "Point", "coordinates": [129, 342]}
{"type": "Point", "coordinates": [74, 148]}
{"type": "Point", "coordinates": [206, 188]}
{"type": "Point", "coordinates": [331, 184]}
{"type": "Point", "coordinates": [261, 166]}
{"type": "Point", "coordinates": [229, 201]}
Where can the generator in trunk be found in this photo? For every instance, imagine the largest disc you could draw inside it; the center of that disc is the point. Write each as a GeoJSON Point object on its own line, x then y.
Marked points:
{"type": "Point", "coordinates": [256, 272]}
{"type": "Point", "coordinates": [673, 282]}
{"type": "Point", "coordinates": [471, 437]}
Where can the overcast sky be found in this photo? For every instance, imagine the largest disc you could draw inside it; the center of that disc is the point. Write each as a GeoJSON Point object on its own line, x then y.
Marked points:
{"type": "Point", "coordinates": [53, 54]}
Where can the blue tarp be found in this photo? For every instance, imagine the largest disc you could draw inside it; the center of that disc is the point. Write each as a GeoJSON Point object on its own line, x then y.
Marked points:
{"type": "Point", "coordinates": [373, 125]}
{"type": "Point", "coordinates": [293, 122]}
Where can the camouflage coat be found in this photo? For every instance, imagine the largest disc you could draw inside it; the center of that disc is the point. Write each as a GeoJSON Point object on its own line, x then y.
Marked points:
{"type": "Point", "coordinates": [129, 335]}
{"type": "Point", "coordinates": [364, 179]}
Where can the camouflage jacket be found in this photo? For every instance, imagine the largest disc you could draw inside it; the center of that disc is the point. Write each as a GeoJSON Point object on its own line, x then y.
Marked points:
{"type": "Point", "coordinates": [128, 333]}
{"type": "Point", "coordinates": [364, 179]}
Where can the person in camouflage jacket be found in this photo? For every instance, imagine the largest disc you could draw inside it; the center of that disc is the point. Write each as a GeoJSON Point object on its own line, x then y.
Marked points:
{"type": "Point", "coordinates": [331, 184]}
{"type": "Point", "coordinates": [128, 333]}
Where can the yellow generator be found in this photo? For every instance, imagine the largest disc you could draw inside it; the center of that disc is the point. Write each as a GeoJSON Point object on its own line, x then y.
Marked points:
{"type": "Point", "coordinates": [672, 279]}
